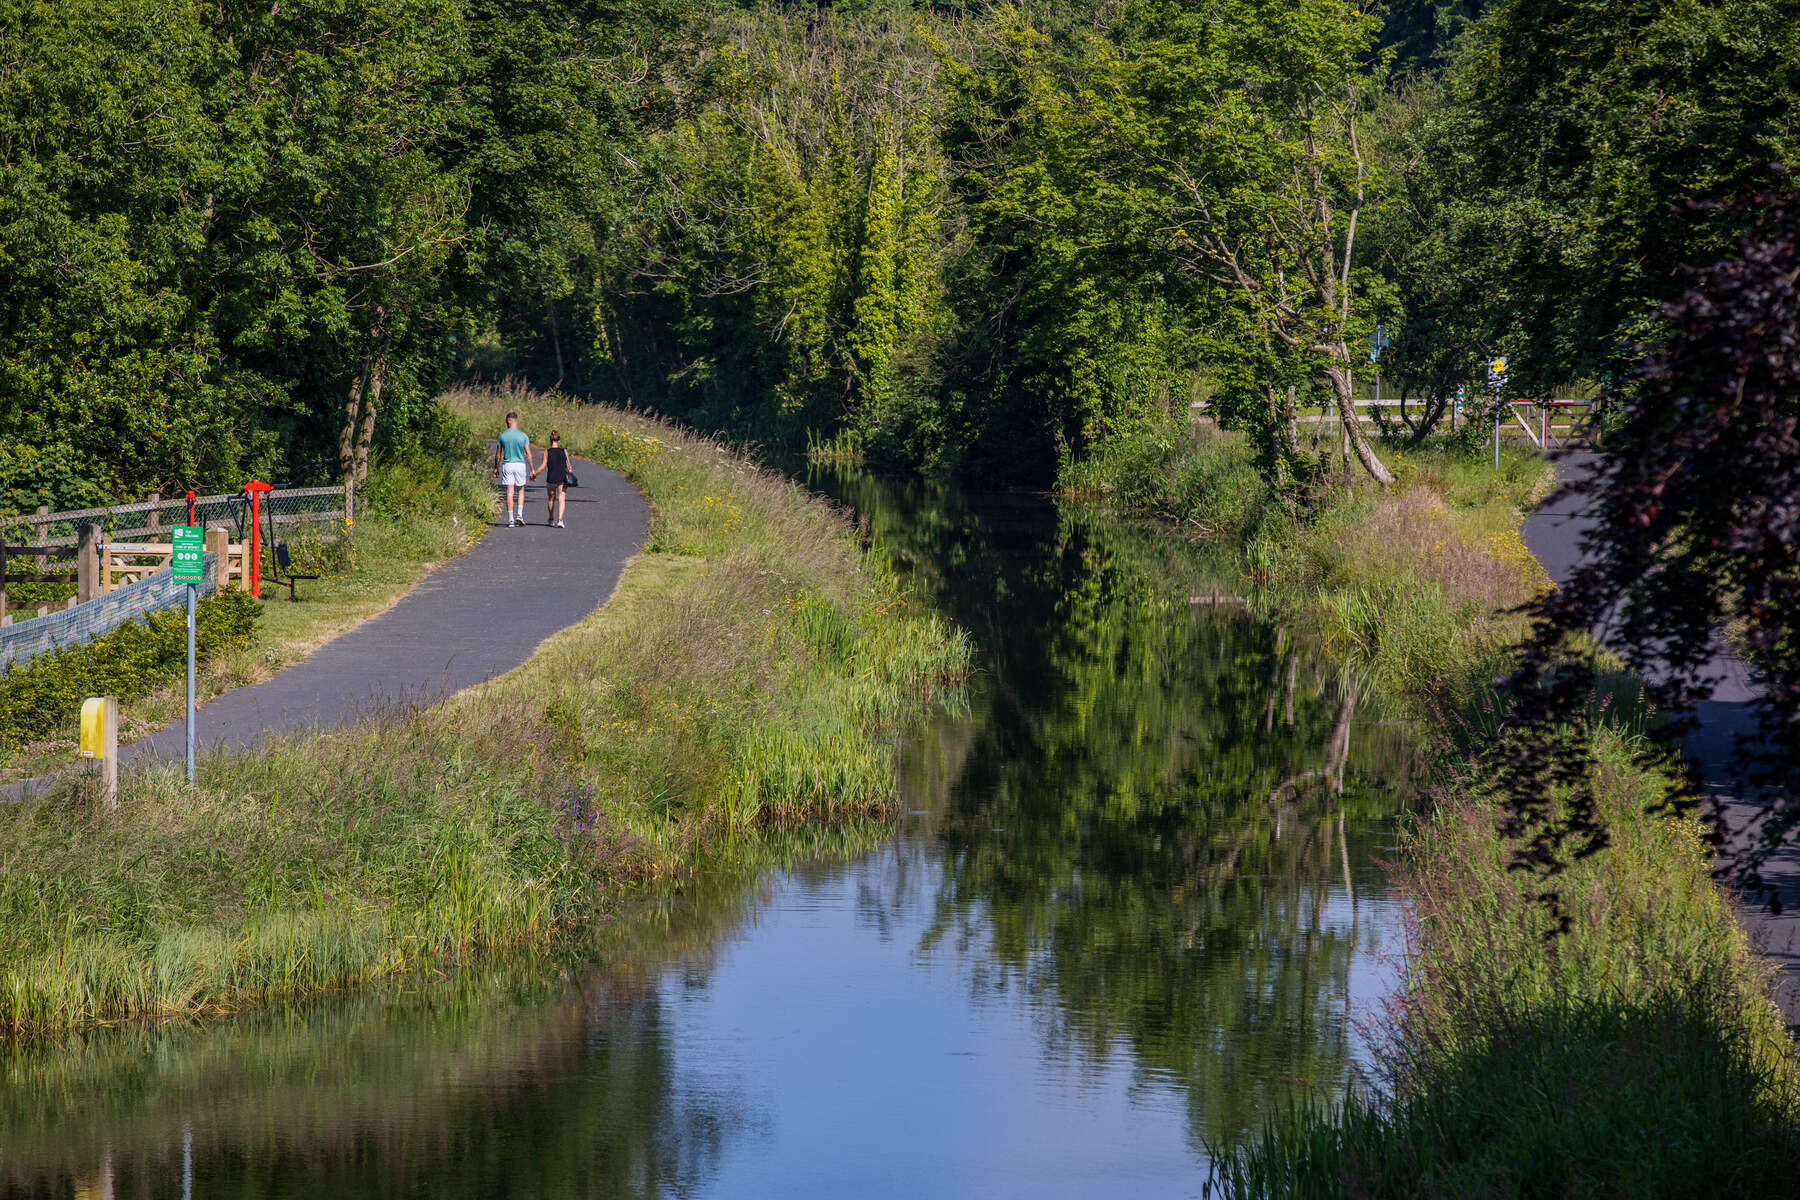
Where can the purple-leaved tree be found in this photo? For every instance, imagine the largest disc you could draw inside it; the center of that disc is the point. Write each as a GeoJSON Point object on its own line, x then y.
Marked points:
{"type": "Point", "coordinates": [1698, 507]}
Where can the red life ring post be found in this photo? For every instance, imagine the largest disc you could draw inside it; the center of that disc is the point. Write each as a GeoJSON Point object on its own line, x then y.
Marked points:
{"type": "Point", "coordinates": [256, 488]}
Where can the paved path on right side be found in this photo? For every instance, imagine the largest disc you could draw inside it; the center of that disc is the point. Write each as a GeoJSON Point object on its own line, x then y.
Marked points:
{"type": "Point", "coordinates": [1555, 534]}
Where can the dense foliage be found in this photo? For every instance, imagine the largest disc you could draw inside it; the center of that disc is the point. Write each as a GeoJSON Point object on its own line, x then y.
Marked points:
{"type": "Point", "coordinates": [243, 238]}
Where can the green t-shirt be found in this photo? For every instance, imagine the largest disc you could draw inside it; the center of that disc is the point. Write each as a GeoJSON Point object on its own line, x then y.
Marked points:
{"type": "Point", "coordinates": [512, 445]}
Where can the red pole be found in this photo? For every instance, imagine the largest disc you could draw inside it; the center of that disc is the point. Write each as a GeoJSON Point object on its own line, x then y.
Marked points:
{"type": "Point", "coordinates": [256, 488]}
{"type": "Point", "coordinates": [190, 508]}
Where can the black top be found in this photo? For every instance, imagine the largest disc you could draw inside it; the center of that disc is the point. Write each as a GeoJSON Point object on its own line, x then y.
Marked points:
{"type": "Point", "coordinates": [556, 465]}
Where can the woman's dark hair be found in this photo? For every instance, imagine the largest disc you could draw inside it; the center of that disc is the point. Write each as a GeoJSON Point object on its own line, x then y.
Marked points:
{"type": "Point", "coordinates": [555, 437]}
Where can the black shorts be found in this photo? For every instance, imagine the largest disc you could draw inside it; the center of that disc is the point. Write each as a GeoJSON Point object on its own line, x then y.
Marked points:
{"type": "Point", "coordinates": [556, 479]}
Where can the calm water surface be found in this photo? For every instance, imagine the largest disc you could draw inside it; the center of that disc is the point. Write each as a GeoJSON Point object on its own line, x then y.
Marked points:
{"type": "Point", "coordinates": [1132, 905]}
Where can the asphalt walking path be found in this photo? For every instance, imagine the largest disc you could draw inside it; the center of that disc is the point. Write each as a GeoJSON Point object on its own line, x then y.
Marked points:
{"type": "Point", "coordinates": [1554, 534]}
{"type": "Point", "coordinates": [477, 616]}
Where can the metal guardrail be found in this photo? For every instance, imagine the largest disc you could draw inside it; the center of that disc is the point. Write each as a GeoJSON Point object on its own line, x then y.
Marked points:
{"type": "Point", "coordinates": [25, 640]}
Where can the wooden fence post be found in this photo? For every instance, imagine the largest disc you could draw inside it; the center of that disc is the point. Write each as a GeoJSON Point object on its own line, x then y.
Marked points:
{"type": "Point", "coordinates": [155, 521]}
{"type": "Point", "coordinates": [109, 762]}
{"type": "Point", "coordinates": [218, 544]}
{"type": "Point", "coordinates": [90, 578]}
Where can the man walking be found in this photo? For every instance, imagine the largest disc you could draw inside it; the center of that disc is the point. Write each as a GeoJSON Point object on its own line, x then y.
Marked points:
{"type": "Point", "coordinates": [512, 466]}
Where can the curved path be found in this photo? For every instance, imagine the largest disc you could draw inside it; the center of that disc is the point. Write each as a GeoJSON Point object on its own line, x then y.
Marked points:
{"type": "Point", "coordinates": [477, 616]}
{"type": "Point", "coordinates": [1554, 534]}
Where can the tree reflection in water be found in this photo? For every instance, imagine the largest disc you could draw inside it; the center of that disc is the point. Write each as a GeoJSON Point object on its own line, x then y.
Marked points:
{"type": "Point", "coordinates": [1149, 816]}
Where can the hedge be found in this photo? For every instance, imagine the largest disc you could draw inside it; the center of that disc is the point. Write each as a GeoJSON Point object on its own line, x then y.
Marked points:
{"type": "Point", "coordinates": [42, 697]}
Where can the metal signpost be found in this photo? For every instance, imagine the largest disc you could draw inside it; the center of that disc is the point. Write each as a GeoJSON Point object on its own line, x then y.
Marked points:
{"type": "Point", "coordinates": [187, 566]}
{"type": "Point", "coordinates": [1496, 382]}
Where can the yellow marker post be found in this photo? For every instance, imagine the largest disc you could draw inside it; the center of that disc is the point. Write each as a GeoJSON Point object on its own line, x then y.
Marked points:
{"type": "Point", "coordinates": [100, 739]}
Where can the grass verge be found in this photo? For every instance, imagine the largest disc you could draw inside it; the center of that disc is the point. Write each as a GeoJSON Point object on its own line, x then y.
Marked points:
{"type": "Point", "coordinates": [1637, 1054]}
{"type": "Point", "coordinates": [750, 675]}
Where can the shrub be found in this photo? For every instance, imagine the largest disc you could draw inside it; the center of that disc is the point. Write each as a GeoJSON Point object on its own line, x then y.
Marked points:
{"type": "Point", "coordinates": [44, 695]}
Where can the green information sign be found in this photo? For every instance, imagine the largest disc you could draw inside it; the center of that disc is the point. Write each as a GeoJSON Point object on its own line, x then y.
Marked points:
{"type": "Point", "coordinates": [190, 549]}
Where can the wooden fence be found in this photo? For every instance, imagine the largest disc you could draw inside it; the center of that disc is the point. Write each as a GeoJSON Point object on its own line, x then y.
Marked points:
{"type": "Point", "coordinates": [1547, 424]}
{"type": "Point", "coordinates": [127, 562]}
{"type": "Point", "coordinates": [102, 549]}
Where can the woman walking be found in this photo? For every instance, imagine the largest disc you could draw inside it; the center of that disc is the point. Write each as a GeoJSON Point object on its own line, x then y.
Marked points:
{"type": "Point", "coordinates": [556, 480]}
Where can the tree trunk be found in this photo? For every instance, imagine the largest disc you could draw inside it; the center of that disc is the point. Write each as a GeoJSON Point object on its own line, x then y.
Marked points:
{"type": "Point", "coordinates": [555, 339]}
{"type": "Point", "coordinates": [615, 355]}
{"type": "Point", "coordinates": [1277, 438]}
{"type": "Point", "coordinates": [352, 410]}
{"type": "Point", "coordinates": [1290, 418]}
{"type": "Point", "coordinates": [365, 436]}
{"type": "Point", "coordinates": [1339, 374]}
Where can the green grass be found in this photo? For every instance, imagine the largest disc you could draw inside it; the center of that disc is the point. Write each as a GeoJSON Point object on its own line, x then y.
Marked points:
{"type": "Point", "coordinates": [747, 680]}
{"type": "Point", "coordinates": [1410, 584]}
{"type": "Point", "coordinates": [1638, 1054]}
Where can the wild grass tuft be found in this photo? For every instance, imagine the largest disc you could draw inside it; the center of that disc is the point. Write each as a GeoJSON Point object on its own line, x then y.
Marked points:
{"type": "Point", "coordinates": [1638, 1054]}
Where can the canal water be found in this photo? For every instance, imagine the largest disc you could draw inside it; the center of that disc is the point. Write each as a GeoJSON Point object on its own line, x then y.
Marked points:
{"type": "Point", "coordinates": [1133, 904]}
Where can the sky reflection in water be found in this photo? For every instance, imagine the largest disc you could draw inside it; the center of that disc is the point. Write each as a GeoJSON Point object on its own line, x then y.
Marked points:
{"type": "Point", "coordinates": [1114, 929]}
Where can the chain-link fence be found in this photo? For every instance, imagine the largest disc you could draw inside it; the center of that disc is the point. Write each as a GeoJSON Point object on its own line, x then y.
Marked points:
{"type": "Point", "coordinates": [150, 520]}
{"type": "Point", "coordinates": [24, 640]}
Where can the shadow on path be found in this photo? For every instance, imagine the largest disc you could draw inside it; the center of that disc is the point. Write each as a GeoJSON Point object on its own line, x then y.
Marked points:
{"type": "Point", "coordinates": [1554, 534]}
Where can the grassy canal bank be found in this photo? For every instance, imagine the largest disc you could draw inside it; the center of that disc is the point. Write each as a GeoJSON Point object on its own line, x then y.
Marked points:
{"type": "Point", "coordinates": [1638, 1054]}
{"type": "Point", "coordinates": [748, 676]}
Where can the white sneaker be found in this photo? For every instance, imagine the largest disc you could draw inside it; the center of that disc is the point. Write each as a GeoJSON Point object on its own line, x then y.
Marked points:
{"type": "Point", "coordinates": [510, 522]}
{"type": "Point", "coordinates": [560, 525]}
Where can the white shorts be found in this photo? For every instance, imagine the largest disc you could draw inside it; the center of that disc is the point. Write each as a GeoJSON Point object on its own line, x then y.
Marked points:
{"type": "Point", "coordinates": [512, 474]}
